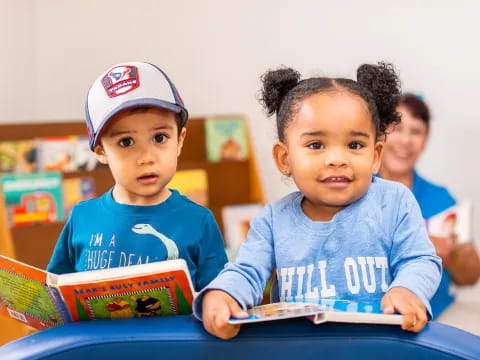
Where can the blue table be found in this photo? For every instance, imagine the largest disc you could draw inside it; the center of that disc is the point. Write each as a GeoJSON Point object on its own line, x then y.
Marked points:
{"type": "Point", "coordinates": [182, 337]}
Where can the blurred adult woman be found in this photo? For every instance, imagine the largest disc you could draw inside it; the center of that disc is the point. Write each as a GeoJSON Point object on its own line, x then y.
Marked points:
{"type": "Point", "coordinates": [404, 144]}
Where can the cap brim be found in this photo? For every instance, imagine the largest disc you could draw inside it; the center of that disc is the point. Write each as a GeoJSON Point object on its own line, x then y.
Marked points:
{"type": "Point", "coordinates": [182, 112]}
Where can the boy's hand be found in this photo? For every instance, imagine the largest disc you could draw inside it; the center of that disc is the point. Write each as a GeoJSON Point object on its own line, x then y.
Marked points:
{"type": "Point", "coordinates": [217, 308]}
{"type": "Point", "coordinates": [409, 305]}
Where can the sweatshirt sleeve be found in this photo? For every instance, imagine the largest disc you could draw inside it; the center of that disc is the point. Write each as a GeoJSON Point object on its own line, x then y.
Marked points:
{"type": "Point", "coordinates": [245, 279]}
{"type": "Point", "coordinates": [413, 261]}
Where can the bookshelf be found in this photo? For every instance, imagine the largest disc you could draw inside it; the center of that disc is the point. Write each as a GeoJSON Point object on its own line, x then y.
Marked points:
{"type": "Point", "coordinates": [229, 183]}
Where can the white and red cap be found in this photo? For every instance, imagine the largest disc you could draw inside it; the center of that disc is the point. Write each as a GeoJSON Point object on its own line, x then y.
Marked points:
{"type": "Point", "coordinates": [129, 85]}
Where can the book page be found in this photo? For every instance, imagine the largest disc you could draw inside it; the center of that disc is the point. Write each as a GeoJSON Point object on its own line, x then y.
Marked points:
{"type": "Point", "coordinates": [349, 311]}
{"type": "Point", "coordinates": [278, 311]}
{"type": "Point", "coordinates": [26, 295]}
{"type": "Point", "coordinates": [454, 220]}
{"type": "Point", "coordinates": [153, 289]}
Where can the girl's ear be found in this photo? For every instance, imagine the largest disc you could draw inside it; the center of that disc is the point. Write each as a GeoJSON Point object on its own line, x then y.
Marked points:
{"type": "Point", "coordinates": [181, 138]}
{"type": "Point", "coordinates": [100, 154]}
{"type": "Point", "coordinates": [377, 156]}
{"type": "Point", "coordinates": [280, 155]}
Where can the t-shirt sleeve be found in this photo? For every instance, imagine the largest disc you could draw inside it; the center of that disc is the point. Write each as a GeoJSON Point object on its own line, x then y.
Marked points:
{"type": "Point", "coordinates": [211, 253]}
{"type": "Point", "coordinates": [413, 262]}
{"type": "Point", "coordinates": [63, 260]}
{"type": "Point", "coordinates": [245, 279]}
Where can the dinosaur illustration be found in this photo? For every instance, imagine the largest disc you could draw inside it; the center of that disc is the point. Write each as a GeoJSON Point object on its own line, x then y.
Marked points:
{"type": "Point", "coordinates": [147, 229]}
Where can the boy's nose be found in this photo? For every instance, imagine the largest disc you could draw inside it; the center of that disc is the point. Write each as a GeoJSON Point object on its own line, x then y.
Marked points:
{"type": "Point", "coordinates": [146, 156]}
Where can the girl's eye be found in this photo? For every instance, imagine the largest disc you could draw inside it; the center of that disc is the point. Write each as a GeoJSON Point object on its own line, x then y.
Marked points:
{"type": "Point", "coordinates": [160, 138]}
{"type": "Point", "coordinates": [316, 146]}
{"type": "Point", "coordinates": [355, 145]}
{"type": "Point", "coordinates": [126, 142]}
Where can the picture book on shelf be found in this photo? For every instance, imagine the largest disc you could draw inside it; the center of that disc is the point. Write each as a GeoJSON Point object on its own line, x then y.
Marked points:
{"type": "Point", "coordinates": [57, 153]}
{"type": "Point", "coordinates": [42, 299]}
{"type": "Point", "coordinates": [33, 198]}
{"type": "Point", "coordinates": [325, 310]}
{"type": "Point", "coordinates": [191, 183]}
{"type": "Point", "coordinates": [226, 139]}
{"type": "Point", "coordinates": [236, 222]}
{"type": "Point", "coordinates": [18, 156]}
{"type": "Point", "coordinates": [77, 189]}
{"type": "Point", "coordinates": [457, 220]}
{"type": "Point", "coordinates": [84, 157]}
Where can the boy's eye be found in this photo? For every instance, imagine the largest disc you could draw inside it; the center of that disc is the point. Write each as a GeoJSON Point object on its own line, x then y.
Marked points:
{"type": "Point", "coordinates": [355, 145]}
{"type": "Point", "coordinates": [316, 145]}
{"type": "Point", "coordinates": [160, 138]}
{"type": "Point", "coordinates": [126, 142]}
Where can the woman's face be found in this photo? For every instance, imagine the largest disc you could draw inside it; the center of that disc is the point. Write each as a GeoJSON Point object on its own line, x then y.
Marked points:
{"type": "Point", "coordinates": [404, 144]}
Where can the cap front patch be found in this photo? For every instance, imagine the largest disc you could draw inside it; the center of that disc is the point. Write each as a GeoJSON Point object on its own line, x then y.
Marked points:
{"type": "Point", "coordinates": [121, 80]}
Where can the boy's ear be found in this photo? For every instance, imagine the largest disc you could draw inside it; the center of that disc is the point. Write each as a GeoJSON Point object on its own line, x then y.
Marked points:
{"type": "Point", "coordinates": [377, 156]}
{"type": "Point", "coordinates": [280, 155]}
{"type": "Point", "coordinates": [181, 138]}
{"type": "Point", "coordinates": [100, 154]}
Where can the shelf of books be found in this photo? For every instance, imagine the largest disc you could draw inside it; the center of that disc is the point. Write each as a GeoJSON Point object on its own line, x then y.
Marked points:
{"type": "Point", "coordinates": [46, 168]}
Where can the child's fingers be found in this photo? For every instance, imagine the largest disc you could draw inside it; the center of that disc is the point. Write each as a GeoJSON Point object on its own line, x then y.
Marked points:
{"type": "Point", "coordinates": [421, 319]}
{"type": "Point", "coordinates": [409, 319]}
{"type": "Point", "coordinates": [236, 311]}
{"type": "Point", "coordinates": [387, 304]}
{"type": "Point", "coordinates": [216, 313]}
{"type": "Point", "coordinates": [221, 327]}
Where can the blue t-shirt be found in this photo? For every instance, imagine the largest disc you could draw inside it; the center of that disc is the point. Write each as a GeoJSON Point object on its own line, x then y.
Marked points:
{"type": "Point", "coordinates": [101, 233]}
{"type": "Point", "coordinates": [376, 243]}
{"type": "Point", "coordinates": [434, 199]}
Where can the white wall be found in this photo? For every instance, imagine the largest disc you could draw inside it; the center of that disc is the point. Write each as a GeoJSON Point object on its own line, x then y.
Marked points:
{"type": "Point", "coordinates": [216, 50]}
{"type": "Point", "coordinates": [16, 60]}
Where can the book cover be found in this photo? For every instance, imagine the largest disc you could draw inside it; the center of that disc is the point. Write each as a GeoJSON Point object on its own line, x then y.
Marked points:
{"type": "Point", "coordinates": [193, 184]}
{"type": "Point", "coordinates": [18, 156]}
{"type": "Point", "coordinates": [456, 220]}
{"type": "Point", "coordinates": [42, 300]}
{"type": "Point", "coordinates": [84, 157]}
{"type": "Point", "coordinates": [236, 222]}
{"type": "Point", "coordinates": [77, 189]}
{"type": "Point", "coordinates": [326, 310]}
{"type": "Point", "coordinates": [226, 139]}
{"type": "Point", "coordinates": [57, 153]}
{"type": "Point", "coordinates": [33, 198]}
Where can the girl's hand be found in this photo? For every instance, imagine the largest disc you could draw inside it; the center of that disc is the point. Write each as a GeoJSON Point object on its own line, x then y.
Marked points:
{"type": "Point", "coordinates": [409, 305]}
{"type": "Point", "coordinates": [217, 308]}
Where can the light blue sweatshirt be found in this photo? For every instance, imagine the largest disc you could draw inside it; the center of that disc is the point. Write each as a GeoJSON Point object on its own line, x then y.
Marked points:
{"type": "Point", "coordinates": [372, 245]}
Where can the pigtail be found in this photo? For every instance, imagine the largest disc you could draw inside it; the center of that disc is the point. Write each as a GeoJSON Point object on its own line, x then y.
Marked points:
{"type": "Point", "coordinates": [276, 85]}
{"type": "Point", "coordinates": [384, 85]}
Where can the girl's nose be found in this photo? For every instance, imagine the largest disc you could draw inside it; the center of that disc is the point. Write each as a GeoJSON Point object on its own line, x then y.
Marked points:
{"type": "Point", "coordinates": [336, 157]}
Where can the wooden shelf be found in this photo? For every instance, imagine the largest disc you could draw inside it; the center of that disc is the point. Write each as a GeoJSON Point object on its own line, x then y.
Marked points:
{"type": "Point", "coordinates": [229, 182]}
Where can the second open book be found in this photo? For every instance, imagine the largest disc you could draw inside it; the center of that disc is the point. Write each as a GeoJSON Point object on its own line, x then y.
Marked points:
{"type": "Point", "coordinates": [334, 310]}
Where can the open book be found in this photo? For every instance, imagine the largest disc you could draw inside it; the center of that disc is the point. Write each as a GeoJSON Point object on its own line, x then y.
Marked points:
{"type": "Point", "coordinates": [42, 299]}
{"type": "Point", "coordinates": [326, 310]}
{"type": "Point", "coordinates": [454, 220]}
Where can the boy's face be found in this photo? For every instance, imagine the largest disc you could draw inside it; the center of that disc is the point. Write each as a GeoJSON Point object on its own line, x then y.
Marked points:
{"type": "Point", "coordinates": [141, 147]}
{"type": "Point", "coordinates": [330, 151]}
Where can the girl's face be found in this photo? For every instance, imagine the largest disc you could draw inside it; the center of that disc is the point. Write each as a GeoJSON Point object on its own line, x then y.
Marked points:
{"type": "Point", "coordinates": [331, 152]}
{"type": "Point", "coordinates": [404, 144]}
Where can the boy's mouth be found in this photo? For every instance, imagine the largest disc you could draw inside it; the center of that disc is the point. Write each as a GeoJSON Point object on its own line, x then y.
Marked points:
{"type": "Point", "coordinates": [148, 179]}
